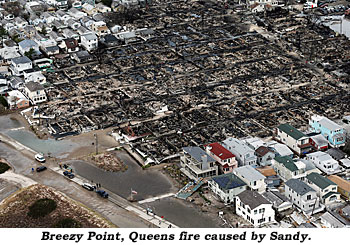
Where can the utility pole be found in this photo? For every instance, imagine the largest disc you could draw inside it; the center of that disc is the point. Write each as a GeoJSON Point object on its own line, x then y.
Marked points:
{"type": "Point", "coordinates": [96, 143]}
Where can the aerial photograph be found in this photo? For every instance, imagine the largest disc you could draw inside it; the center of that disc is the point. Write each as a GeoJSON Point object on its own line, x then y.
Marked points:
{"type": "Point", "coordinates": [174, 114]}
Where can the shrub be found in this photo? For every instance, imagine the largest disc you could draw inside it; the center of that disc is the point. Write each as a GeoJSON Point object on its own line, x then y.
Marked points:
{"type": "Point", "coordinates": [42, 207]}
{"type": "Point", "coordinates": [67, 223]}
{"type": "Point", "coordinates": [4, 167]}
{"type": "Point", "coordinates": [3, 101]}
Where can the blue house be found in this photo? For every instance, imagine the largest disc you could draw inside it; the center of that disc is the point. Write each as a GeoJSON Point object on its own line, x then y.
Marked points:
{"type": "Point", "coordinates": [334, 133]}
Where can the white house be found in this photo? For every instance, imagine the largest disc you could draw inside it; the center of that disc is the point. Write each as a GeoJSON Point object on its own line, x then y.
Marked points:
{"type": "Point", "coordinates": [17, 100]}
{"type": "Point", "coordinates": [100, 28]}
{"type": "Point", "coordinates": [197, 163]}
{"type": "Point", "coordinates": [294, 139]}
{"type": "Point", "coordinates": [253, 178]}
{"type": "Point", "coordinates": [76, 14]}
{"type": "Point", "coordinates": [89, 41]}
{"type": "Point", "coordinates": [34, 76]}
{"type": "Point", "coordinates": [35, 92]}
{"type": "Point", "coordinates": [20, 22]}
{"type": "Point", "coordinates": [287, 168]}
{"type": "Point", "coordinates": [20, 64]}
{"type": "Point", "coordinates": [8, 53]}
{"type": "Point", "coordinates": [264, 156]}
{"type": "Point", "coordinates": [255, 208]}
{"type": "Point", "coordinates": [303, 196]}
{"type": "Point", "coordinates": [226, 160]}
{"type": "Point", "coordinates": [227, 187]}
{"type": "Point", "coordinates": [244, 154]}
{"type": "Point", "coordinates": [325, 188]}
{"type": "Point", "coordinates": [324, 162]}
{"type": "Point", "coordinates": [26, 45]}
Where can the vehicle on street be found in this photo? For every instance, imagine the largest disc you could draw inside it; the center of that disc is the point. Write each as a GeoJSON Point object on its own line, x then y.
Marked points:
{"type": "Point", "coordinates": [102, 193]}
{"type": "Point", "coordinates": [40, 157]}
{"type": "Point", "coordinates": [41, 168]}
{"type": "Point", "coordinates": [68, 174]}
{"type": "Point", "coordinates": [88, 186]}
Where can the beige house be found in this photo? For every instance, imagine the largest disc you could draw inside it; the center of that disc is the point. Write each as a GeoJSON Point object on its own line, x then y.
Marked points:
{"type": "Point", "coordinates": [35, 92]}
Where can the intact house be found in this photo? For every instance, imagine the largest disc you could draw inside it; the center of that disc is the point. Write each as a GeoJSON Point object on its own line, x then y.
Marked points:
{"type": "Point", "coordinates": [294, 139]}
{"type": "Point", "coordinates": [69, 45]}
{"type": "Point", "coordinates": [332, 219]}
{"type": "Point", "coordinates": [8, 53]}
{"type": "Point", "coordinates": [76, 14]}
{"type": "Point", "coordinates": [35, 92]}
{"type": "Point", "coordinates": [272, 179]}
{"type": "Point", "coordinates": [20, 22]}
{"type": "Point", "coordinates": [100, 28]}
{"type": "Point", "coordinates": [303, 196]}
{"type": "Point", "coordinates": [324, 162]}
{"type": "Point", "coordinates": [255, 208]}
{"type": "Point", "coordinates": [27, 45]}
{"type": "Point", "coordinates": [16, 82]}
{"type": "Point", "coordinates": [244, 154]}
{"type": "Point", "coordinates": [280, 149]}
{"type": "Point", "coordinates": [197, 163]}
{"type": "Point", "coordinates": [20, 64]}
{"type": "Point", "coordinates": [227, 187]}
{"type": "Point", "coordinates": [89, 41]}
{"type": "Point", "coordinates": [325, 188]}
{"type": "Point", "coordinates": [264, 156]}
{"type": "Point", "coordinates": [343, 185]}
{"type": "Point", "coordinates": [34, 76]}
{"type": "Point", "coordinates": [16, 100]}
{"type": "Point", "coordinates": [334, 133]}
{"type": "Point", "coordinates": [225, 159]}
{"type": "Point", "coordinates": [279, 202]}
{"type": "Point", "coordinates": [253, 178]}
{"type": "Point", "coordinates": [82, 56]}
{"type": "Point", "coordinates": [319, 142]}
{"type": "Point", "coordinates": [287, 168]}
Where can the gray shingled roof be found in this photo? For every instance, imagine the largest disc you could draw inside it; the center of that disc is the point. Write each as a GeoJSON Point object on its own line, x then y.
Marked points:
{"type": "Point", "coordinates": [252, 198]}
{"type": "Point", "coordinates": [33, 86]}
{"type": "Point", "coordinates": [21, 60]}
{"type": "Point", "coordinates": [298, 186]}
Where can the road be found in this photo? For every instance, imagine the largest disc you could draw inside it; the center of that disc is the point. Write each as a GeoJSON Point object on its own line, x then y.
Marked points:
{"type": "Point", "coordinates": [150, 184]}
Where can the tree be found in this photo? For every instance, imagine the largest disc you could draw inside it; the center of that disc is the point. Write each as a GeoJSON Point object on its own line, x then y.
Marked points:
{"type": "Point", "coordinates": [30, 53]}
{"type": "Point", "coordinates": [3, 32]}
{"type": "Point", "coordinates": [43, 31]}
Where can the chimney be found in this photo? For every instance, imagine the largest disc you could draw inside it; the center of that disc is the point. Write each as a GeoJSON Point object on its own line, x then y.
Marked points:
{"type": "Point", "coordinates": [205, 164]}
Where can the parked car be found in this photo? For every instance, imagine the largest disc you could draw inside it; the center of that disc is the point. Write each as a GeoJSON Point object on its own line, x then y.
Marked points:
{"type": "Point", "coordinates": [41, 168]}
{"type": "Point", "coordinates": [68, 174]}
{"type": "Point", "coordinates": [102, 193]}
{"type": "Point", "coordinates": [40, 157]}
{"type": "Point", "coordinates": [88, 187]}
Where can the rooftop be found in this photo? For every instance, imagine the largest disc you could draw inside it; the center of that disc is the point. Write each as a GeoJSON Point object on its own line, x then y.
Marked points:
{"type": "Point", "coordinates": [291, 131]}
{"type": "Point", "coordinates": [249, 173]}
{"type": "Point", "coordinates": [197, 153]}
{"type": "Point", "coordinates": [33, 86]}
{"type": "Point", "coordinates": [319, 180]}
{"type": "Point", "coordinates": [252, 199]}
{"type": "Point", "coordinates": [220, 151]}
{"type": "Point", "coordinates": [228, 181]}
{"type": "Point", "coordinates": [299, 186]}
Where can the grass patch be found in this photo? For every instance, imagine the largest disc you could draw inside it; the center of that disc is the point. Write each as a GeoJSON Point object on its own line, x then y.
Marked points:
{"type": "Point", "coordinates": [67, 223]}
{"type": "Point", "coordinates": [4, 167]}
{"type": "Point", "coordinates": [41, 208]}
